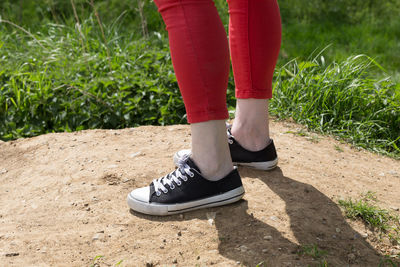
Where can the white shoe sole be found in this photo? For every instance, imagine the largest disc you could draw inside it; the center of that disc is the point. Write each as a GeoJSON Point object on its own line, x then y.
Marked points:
{"type": "Point", "coordinates": [169, 209]}
{"type": "Point", "coordinates": [264, 165]}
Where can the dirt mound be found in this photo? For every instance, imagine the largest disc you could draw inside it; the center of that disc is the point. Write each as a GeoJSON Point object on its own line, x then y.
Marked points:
{"type": "Point", "coordinates": [63, 199]}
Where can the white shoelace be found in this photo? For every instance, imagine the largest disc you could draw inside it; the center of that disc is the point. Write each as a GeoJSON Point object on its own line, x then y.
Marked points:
{"type": "Point", "coordinates": [176, 176]}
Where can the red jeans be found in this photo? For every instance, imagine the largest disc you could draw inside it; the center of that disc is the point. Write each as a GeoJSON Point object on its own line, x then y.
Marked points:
{"type": "Point", "coordinates": [200, 52]}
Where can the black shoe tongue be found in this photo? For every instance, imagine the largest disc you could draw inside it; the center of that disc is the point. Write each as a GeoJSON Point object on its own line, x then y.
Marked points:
{"type": "Point", "coordinates": [192, 165]}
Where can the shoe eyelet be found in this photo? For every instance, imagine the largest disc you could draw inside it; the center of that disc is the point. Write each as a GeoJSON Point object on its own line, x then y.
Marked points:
{"type": "Point", "coordinates": [179, 183]}
{"type": "Point", "coordinates": [172, 187]}
{"type": "Point", "coordinates": [158, 193]}
{"type": "Point", "coordinates": [230, 141]}
{"type": "Point", "coordinates": [185, 178]}
{"type": "Point", "coordinates": [191, 174]}
{"type": "Point", "coordinates": [165, 191]}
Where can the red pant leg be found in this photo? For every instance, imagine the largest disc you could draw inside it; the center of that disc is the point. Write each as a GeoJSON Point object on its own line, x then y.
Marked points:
{"type": "Point", "coordinates": [254, 39]}
{"type": "Point", "coordinates": [200, 56]}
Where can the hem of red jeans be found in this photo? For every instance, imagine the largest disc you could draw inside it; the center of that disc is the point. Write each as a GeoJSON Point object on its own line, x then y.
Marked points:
{"type": "Point", "coordinates": [207, 116]}
{"type": "Point", "coordinates": [261, 94]}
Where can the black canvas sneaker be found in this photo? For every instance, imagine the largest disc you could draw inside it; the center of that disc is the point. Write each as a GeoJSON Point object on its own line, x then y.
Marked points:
{"type": "Point", "coordinates": [185, 189]}
{"type": "Point", "coordinates": [265, 159]}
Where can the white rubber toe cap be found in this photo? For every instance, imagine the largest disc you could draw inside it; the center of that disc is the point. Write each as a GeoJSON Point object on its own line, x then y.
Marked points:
{"type": "Point", "coordinates": [141, 194]}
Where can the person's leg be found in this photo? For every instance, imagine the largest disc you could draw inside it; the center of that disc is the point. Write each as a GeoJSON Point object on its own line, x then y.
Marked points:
{"type": "Point", "coordinates": [199, 51]}
{"type": "Point", "coordinates": [210, 149]}
{"type": "Point", "coordinates": [255, 38]}
{"type": "Point", "coordinates": [200, 55]}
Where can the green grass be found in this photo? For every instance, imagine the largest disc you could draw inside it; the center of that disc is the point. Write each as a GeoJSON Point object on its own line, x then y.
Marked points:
{"type": "Point", "coordinates": [68, 75]}
{"type": "Point", "coordinates": [375, 217]}
{"type": "Point", "coordinates": [312, 251]}
{"type": "Point", "coordinates": [63, 85]}
{"type": "Point", "coordinates": [388, 262]}
{"type": "Point", "coordinates": [96, 262]}
{"type": "Point", "coordinates": [345, 40]}
{"type": "Point", "coordinates": [343, 99]}
{"type": "Point", "coordinates": [338, 148]}
{"type": "Point", "coordinates": [352, 27]}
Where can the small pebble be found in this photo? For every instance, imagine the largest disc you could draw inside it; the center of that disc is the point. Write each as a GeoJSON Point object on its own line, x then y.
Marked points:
{"type": "Point", "coordinates": [364, 235]}
{"type": "Point", "coordinates": [2, 171]}
{"type": "Point", "coordinates": [112, 166]}
{"type": "Point", "coordinates": [243, 248]}
{"type": "Point", "coordinates": [337, 230]}
{"type": "Point", "coordinates": [264, 250]}
{"type": "Point", "coordinates": [135, 154]}
{"type": "Point", "coordinates": [175, 261]}
{"type": "Point", "coordinates": [211, 217]}
{"type": "Point", "coordinates": [97, 236]}
{"type": "Point", "coordinates": [268, 237]}
{"type": "Point", "coordinates": [274, 218]}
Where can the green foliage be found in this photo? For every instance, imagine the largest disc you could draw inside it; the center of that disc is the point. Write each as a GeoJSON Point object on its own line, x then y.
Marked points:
{"type": "Point", "coordinates": [342, 99]}
{"type": "Point", "coordinates": [312, 251]}
{"type": "Point", "coordinates": [372, 215]}
{"type": "Point", "coordinates": [33, 14]}
{"type": "Point", "coordinates": [375, 217]}
{"type": "Point", "coordinates": [64, 74]}
{"type": "Point", "coordinates": [72, 86]}
{"type": "Point", "coordinates": [338, 11]}
{"type": "Point", "coordinates": [352, 26]}
{"type": "Point", "coordinates": [315, 252]}
{"type": "Point", "coordinates": [387, 262]}
{"type": "Point", "coordinates": [95, 264]}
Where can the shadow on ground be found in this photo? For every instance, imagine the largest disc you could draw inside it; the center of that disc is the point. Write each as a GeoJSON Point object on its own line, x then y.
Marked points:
{"type": "Point", "coordinates": [314, 220]}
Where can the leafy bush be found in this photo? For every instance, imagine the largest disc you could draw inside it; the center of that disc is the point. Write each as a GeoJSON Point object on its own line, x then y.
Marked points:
{"type": "Point", "coordinates": [69, 86]}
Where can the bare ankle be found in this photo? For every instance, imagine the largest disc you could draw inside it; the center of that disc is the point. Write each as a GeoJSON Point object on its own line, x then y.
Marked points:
{"type": "Point", "coordinates": [251, 139]}
{"type": "Point", "coordinates": [213, 169]}
{"type": "Point", "coordinates": [210, 149]}
{"type": "Point", "coordinates": [251, 125]}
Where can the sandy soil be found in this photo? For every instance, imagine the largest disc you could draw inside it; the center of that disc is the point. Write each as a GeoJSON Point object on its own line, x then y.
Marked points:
{"type": "Point", "coordinates": [63, 202]}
